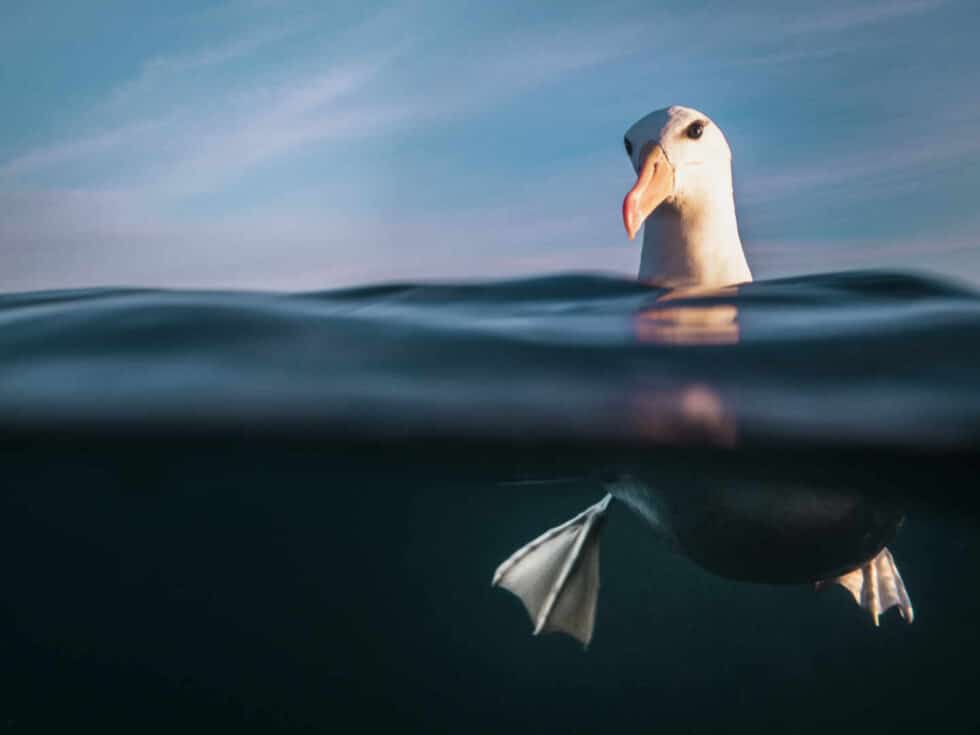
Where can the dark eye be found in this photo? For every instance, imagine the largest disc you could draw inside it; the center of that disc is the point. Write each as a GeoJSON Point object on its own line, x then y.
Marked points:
{"type": "Point", "coordinates": [629, 147]}
{"type": "Point", "coordinates": [695, 129]}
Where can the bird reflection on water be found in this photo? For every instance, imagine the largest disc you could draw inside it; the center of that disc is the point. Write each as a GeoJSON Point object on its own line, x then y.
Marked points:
{"type": "Point", "coordinates": [691, 412]}
{"type": "Point", "coordinates": [675, 319]}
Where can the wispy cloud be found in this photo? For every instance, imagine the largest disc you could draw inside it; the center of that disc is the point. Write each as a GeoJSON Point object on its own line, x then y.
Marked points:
{"type": "Point", "coordinates": [779, 258]}
{"type": "Point", "coordinates": [303, 151]}
{"type": "Point", "coordinates": [140, 245]}
{"type": "Point", "coordinates": [924, 140]}
{"type": "Point", "coordinates": [74, 149]}
{"type": "Point", "coordinates": [384, 87]}
{"type": "Point", "coordinates": [196, 149]}
{"type": "Point", "coordinates": [309, 112]}
{"type": "Point", "coordinates": [874, 173]}
{"type": "Point", "coordinates": [857, 16]}
{"type": "Point", "coordinates": [163, 70]}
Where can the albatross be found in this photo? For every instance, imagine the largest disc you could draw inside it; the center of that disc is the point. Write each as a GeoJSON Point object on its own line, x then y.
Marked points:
{"type": "Point", "coordinates": [683, 200]}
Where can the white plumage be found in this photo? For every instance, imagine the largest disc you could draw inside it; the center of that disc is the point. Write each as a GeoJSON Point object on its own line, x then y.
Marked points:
{"type": "Point", "coordinates": [684, 199]}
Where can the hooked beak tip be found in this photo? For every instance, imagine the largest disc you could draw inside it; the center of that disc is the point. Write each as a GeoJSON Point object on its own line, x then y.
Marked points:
{"type": "Point", "coordinates": [629, 217]}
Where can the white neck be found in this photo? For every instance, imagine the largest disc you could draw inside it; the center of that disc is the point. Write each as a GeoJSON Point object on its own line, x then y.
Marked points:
{"type": "Point", "coordinates": [692, 238]}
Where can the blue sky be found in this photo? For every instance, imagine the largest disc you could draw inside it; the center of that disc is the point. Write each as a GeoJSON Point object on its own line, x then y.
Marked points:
{"type": "Point", "coordinates": [291, 144]}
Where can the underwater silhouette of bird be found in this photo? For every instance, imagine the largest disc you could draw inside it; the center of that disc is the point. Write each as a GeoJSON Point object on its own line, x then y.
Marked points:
{"type": "Point", "coordinates": [683, 199]}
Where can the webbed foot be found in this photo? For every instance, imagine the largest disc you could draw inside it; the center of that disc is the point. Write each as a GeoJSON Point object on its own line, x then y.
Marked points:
{"type": "Point", "coordinates": [877, 586]}
{"type": "Point", "coordinates": [556, 576]}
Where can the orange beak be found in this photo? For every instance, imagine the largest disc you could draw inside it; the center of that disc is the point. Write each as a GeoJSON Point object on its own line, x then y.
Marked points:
{"type": "Point", "coordinates": [654, 184]}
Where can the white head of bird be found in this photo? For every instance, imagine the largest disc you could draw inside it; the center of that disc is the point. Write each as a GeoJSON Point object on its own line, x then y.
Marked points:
{"type": "Point", "coordinates": [683, 198]}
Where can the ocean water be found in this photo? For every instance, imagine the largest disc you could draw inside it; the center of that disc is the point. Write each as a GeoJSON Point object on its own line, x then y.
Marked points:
{"type": "Point", "coordinates": [228, 511]}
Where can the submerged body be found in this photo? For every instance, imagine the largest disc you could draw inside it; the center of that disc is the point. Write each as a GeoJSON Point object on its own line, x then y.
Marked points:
{"type": "Point", "coordinates": [765, 533]}
{"type": "Point", "coordinates": [760, 532]}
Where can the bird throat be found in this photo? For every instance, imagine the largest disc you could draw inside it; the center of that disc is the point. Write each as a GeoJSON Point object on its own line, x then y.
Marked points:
{"type": "Point", "coordinates": [694, 242]}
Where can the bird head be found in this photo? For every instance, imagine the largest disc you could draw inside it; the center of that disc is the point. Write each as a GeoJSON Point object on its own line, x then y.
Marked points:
{"type": "Point", "coordinates": [680, 157]}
